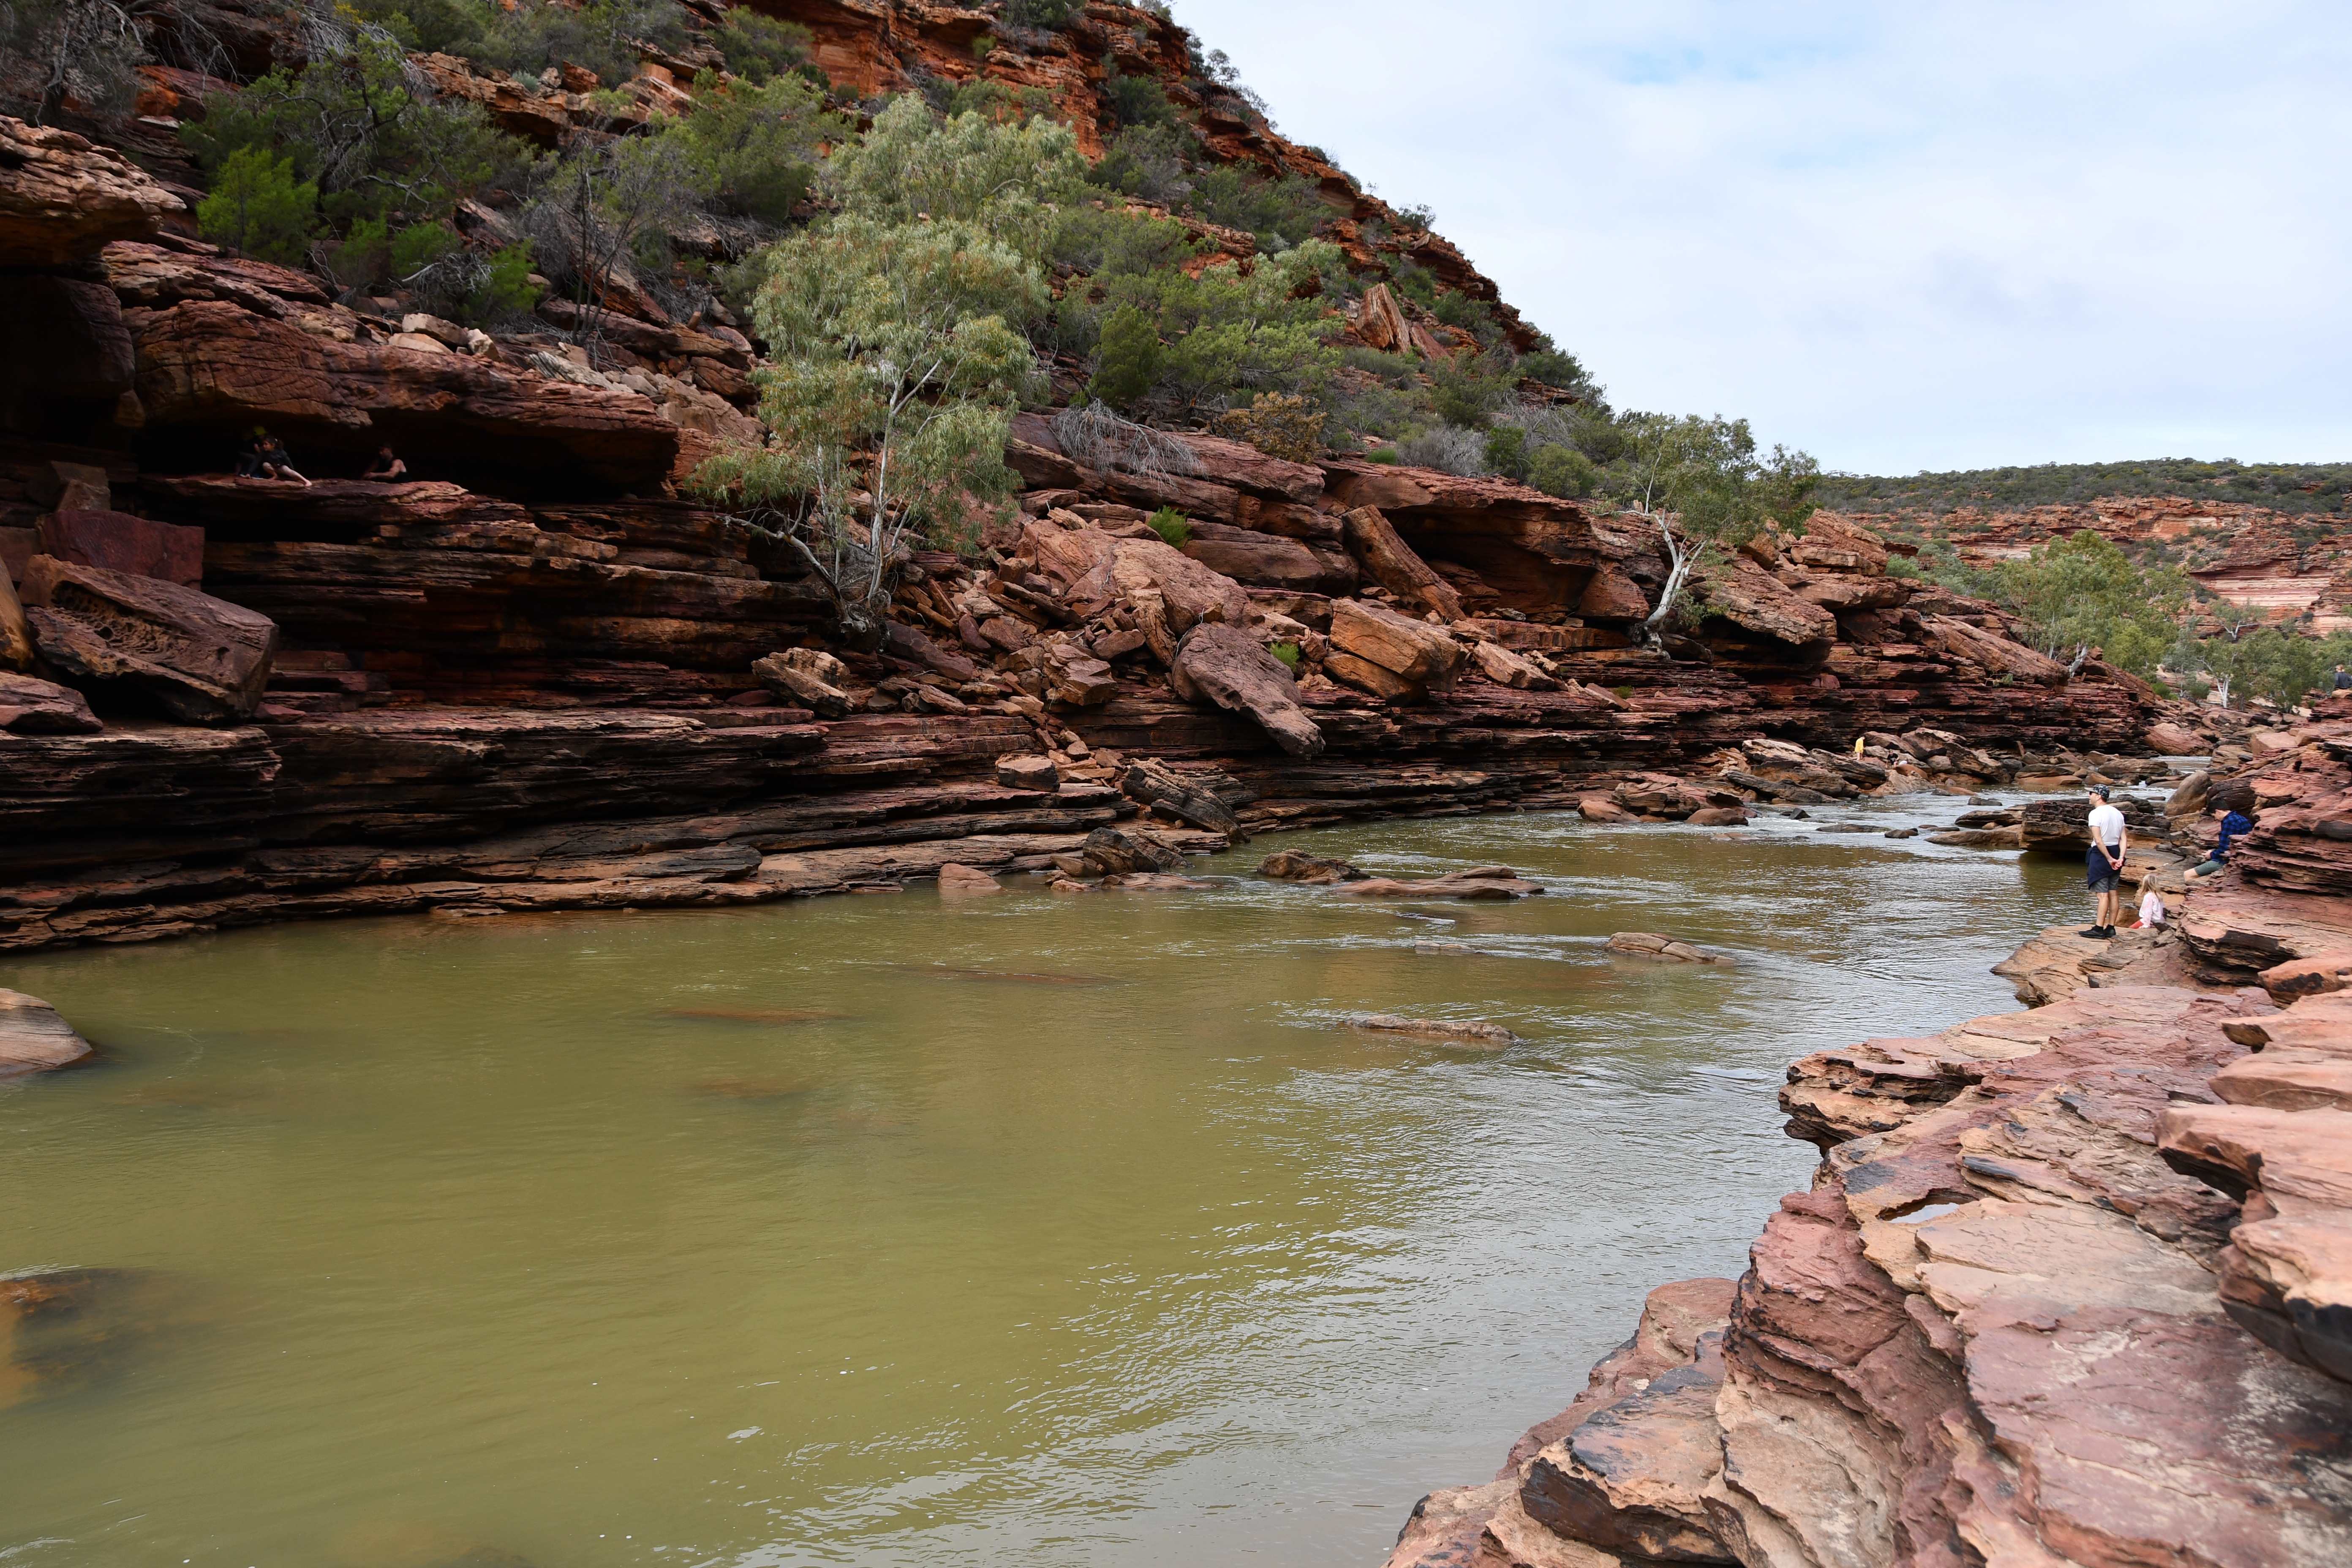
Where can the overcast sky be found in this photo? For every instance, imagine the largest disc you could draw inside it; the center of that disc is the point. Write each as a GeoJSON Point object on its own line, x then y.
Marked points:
{"type": "Point", "coordinates": [1899, 235]}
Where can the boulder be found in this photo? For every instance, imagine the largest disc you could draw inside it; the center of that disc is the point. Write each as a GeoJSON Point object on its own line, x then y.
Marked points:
{"type": "Point", "coordinates": [1157, 786]}
{"type": "Point", "coordinates": [1504, 667]}
{"type": "Point", "coordinates": [62, 198]}
{"type": "Point", "coordinates": [137, 546]}
{"type": "Point", "coordinates": [1752, 598]}
{"type": "Point", "coordinates": [31, 706]}
{"type": "Point", "coordinates": [966, 881]}
{"type": "Point", "coordinates": [1649, 944]}
{"type": "Point", "coordinates": [1080, 681]}
{"type": "Point", "coordinates": [1114, 851]}
{"type": "Point", "coordinates": [1295, 866]}
{"type": "Point", "coordinates": [1601, 808]}
{"type": "Point", "coordinates": [1266, 561]}
{"type": "Point", "coordinates": [204, 659]}
{"type": "Point", "coordinates": [1226, 665]}
{"type": "Point", "coordinates": [1414, 653]}
{"type": "Point", "coordinates": [793, 675]}
{"type": "Point", "coordinates": [2174, 740]}
{"type": "Point", "coordinates": [1031, 769]}
{"type": "Point", "coordinates": [1473, 1031]}
{"type": "Point", "coordinates": [1189, 592]}
{"type": "Point", "coordinates": [1719, 817]}
{"type": "Point", "coordinates": [1393, 565]}
{"type": "Point", "coordinates": [33, 1039]}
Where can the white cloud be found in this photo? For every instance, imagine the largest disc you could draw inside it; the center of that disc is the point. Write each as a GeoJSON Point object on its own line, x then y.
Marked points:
{"type": "Point", "coordinates": [1902, 236]}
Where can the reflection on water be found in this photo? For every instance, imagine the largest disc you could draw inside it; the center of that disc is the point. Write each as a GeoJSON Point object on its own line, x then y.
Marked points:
{"type": "Point", "coordinates": [1037, 1229]}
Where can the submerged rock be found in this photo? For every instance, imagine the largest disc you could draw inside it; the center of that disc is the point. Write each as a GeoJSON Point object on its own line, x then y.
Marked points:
{"type": "Point", "coordinates": [1494, 883]}
{"type": "Point", "coordinates": [33, 1039]}
{"type": "Point", "coordinates": [1296, 866]}
{"type": "Point", "coordinates": [1476, 1031]}
{"type": "Point", "coordinates": [1649, 945]}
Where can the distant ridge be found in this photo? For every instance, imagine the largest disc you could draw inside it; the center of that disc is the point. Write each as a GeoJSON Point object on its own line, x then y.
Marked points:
{"type": "Point", "coordinates": [2302, 489]}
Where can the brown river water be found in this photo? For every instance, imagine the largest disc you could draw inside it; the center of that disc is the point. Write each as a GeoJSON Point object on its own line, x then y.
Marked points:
{"type": "Point", "coordinates": [1057, 1230]}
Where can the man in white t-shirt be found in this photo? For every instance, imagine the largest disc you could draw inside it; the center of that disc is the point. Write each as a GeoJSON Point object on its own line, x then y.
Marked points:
{"type": "Point", "coordinates": [2104, 866]}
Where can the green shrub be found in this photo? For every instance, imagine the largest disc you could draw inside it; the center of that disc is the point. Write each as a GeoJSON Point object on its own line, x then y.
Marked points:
{"type": "Point", "coordinates": [1147, 161]}
{"type": "Point", "coordinates": [1137, 100]}
{"type": "Point", "coordinates": [753, 150]}
{"type": "Point", "coordinates": [758, 47]}
{"type": "Point", "coordinates": [1285, 651]}
{"type": "Point", "coordinates": [506, 290]}
{"type": "Point", "coordinates": [1171, 525]}
{"type": "Point", "coordinates": [1041, 13]}
{"type": "Point", "coordinates": [1287, 210]}
{"type": "Point", "coordinates": [1384, 455]}
{"type": "Point", "coordinates": [1624, 692]}
{"type": "Point", "coordinates": [1562, 472]}
{"type": "Point", "coordinates": [258, 208]}
{"type": "Point", "coordinates": [1506, 451]}
{"type": "Point", "coordinates": [1128, 363]}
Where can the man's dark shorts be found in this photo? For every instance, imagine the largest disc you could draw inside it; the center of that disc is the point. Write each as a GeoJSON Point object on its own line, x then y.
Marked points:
{"type": "Point", "coordinates": [2107, 884]}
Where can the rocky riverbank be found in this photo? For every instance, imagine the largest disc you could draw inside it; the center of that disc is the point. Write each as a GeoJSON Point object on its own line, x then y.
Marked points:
{"type": "Point", "coordinates": [2071, 1285]}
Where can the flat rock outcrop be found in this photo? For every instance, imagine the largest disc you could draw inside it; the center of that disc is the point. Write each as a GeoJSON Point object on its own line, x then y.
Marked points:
{"type": "Point", "coordinates": [2069, 1288]}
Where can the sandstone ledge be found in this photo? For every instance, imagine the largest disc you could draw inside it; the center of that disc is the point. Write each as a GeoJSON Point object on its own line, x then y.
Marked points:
{"type": "Point", "coordinates": [2049, 1300]}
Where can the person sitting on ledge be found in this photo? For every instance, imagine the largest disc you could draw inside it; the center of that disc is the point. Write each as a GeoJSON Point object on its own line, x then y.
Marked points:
{"type": "Point", "coordinates": [248, 457]}
{"type": "Point", "coordinates": [275, 463]}
{"type": "Point", "coordinates": [386, 468]}
{"type": "Point", "coordinates": [2233, 803]}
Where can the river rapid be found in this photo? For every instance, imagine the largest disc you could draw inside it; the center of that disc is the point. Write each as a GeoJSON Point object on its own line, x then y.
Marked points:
{"type": "Point", "coordinates": [1037, 1229]}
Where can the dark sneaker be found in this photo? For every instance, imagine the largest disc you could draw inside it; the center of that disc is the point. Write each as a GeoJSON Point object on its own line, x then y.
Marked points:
{"type": "Point", "coordinates": [2092, 930]}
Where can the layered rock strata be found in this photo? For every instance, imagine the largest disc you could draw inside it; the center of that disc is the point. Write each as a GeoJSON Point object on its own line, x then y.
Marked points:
{"type": "Point", "coordinates": [2070, 1287]}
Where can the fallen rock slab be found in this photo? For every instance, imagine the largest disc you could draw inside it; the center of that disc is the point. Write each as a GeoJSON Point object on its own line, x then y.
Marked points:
{"type": "Point", "coordinates": [1030, 770]}
{"type": "Point", "coordinates": [1478, 1031]}
{"type": "Point", "coordinates": [1229, 667]}
{"type": "Point", "coordinates": [32, 706]}
{"type": "Point", "coordinates": [33, 1039]}
{"type": "Point", "coordinates": [1153, 882]}
{"type": "Point", "coordinates": [1114, 851]}
{"type": "Point", "coordinates": [1159, 787]}
{"type": "Point", "coordinates": [203, 659]}
{"type": "Point", "coordinates": [1649, 945]}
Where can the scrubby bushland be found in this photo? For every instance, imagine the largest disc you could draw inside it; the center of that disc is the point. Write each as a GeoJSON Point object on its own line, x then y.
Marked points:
{"type": "Point", "coordinates": [2298, 487]}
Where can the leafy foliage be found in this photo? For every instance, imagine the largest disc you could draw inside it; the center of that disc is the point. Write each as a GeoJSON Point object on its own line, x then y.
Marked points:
{"type": "Point", "coordinates": [2269, 663]}
{"type": "Point", "coordinates": [760, 47]}
{"type": "Point", "coordinates": [257, 208]}
{"type": "Point", "coordinates": [911, 166]}
{"type": "Point", "coordinates": [1225, 336]}
{"type": "Point", "coordinates": [1171, 525]}
{"type": "Point", "coordinates": [751, 151]}
{"type": "Point", "coordinates": [352, 125]}
{"type": "Point", "coordinates": [895, 333]}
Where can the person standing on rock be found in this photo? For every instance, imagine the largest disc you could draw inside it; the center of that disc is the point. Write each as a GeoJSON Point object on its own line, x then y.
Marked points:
{"type": "Point", "coordinates": [2105, 863]}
